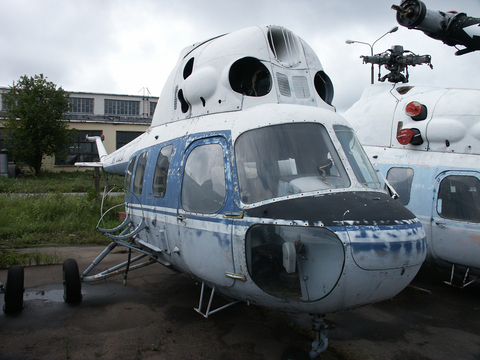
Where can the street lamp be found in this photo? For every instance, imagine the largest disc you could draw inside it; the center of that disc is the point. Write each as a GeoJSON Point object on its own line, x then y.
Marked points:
{"type": "Point", "coordinates": [371, 47]}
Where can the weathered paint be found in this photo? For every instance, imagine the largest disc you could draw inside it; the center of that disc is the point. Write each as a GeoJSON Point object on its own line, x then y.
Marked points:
{"type": "Point", "coordinates": [448, 149]}
{"type": "Point", "coordinates": [349, 223]}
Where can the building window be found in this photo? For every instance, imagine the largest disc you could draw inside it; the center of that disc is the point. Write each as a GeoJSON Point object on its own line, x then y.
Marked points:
{"type": "Point", "coordinates": [3, 138]}
{"type": "Point", "coordinates": [153, 105]}
{"type": "Point", "coordinates": [121, 107]}
{"type": "Point", "coordinates": [4, 105]}
{"type": "Point", "coordinates": [401, 180]}
{"type": "Point", "coordinates": [81, 105]}
{"type": "Point", "coordinates": [81, 150]}
{"type": "Point", "coordinates": [124, 137]}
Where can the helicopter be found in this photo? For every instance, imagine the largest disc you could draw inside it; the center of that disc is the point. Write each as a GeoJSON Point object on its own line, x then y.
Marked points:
{"type": "Point", "coordinates": [425, 143]}
{"type": "Point", "coordinates": [249, 182]}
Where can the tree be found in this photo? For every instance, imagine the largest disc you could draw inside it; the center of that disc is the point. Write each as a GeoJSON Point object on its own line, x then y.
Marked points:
{"type": "Point", "coordinates": [35, 110]}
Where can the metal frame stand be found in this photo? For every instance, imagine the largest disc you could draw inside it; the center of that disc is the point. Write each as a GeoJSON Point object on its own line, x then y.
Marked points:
{"type": "Point", "coordinates": [208, 311]}
{"type": "Point", "coordinates": [464, 281]}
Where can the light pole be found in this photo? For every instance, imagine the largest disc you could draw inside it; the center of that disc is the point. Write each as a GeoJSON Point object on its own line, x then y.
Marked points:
{"type": "Point", "coordinates": [371, 47]}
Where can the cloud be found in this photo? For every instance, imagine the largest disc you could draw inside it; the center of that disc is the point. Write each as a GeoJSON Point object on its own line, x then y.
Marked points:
{"type": "Point", "coordinates": [123, 46]}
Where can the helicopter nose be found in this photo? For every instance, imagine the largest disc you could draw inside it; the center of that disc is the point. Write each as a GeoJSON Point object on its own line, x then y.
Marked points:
{"type": "Point", "coordinates": [384, 235]}
{"type": "Point", "coordinates": [385, 247]}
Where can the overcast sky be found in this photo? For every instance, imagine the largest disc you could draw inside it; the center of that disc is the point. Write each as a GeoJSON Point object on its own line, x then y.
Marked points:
{"type": "Point", "coordinates": [120, 46]}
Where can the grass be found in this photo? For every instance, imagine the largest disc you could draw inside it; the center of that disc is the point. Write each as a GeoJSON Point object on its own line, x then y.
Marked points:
{"type": "Point", "coordinates": [25, 258]}
{"type": "Point", "coordinates": [47, 182]}
{"type": "Point", "coordinates": [52, 219]}
{"type": "Point", "coordinates": [42, 211]}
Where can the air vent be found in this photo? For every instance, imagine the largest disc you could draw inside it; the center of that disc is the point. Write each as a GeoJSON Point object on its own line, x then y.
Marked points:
{"type": "Point", "coordinates": [283, 85]}
{"type": "Point", "coordinates": [183, 102]}
{"type": "Point", "coordinates": [175, 99]}
{"type": "Point", "coordinates": [187, 70]}
{"type": "Point", "coordinates": [248, 76]}
{"type": "Point", "coordinates": [285, 45]}
{"type": "Point", "coordinates": [300, 85]}
{"type": "Point", "coordinates": [324, 87]}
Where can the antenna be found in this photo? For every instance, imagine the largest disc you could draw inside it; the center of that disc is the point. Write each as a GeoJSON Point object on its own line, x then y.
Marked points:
{"type": "Point", "coordinates": [145, 101]}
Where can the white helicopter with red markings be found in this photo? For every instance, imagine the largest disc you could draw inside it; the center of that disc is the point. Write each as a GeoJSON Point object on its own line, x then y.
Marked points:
{"type": "Point", "coordinates": [249, 182]}
{"type": "Point", "coordinates": [425, 141]}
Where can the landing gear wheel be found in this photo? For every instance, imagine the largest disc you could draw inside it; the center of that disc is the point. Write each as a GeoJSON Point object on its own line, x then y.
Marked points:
{"type": "Point", "coordinates": [14, 290]}
{"type": "Point", "coordinates": [72, 286]}
{"type": "Point", "coordinates": [294, 353]}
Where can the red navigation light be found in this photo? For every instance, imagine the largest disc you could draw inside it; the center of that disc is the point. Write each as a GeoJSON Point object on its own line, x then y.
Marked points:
{"type": "Point", "coordinates": [416, 110]}
{"type": "Point", "coordinates": [409, 136]}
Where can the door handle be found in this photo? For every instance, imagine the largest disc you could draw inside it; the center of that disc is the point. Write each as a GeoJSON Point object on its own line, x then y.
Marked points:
{"type": "Point", "coordinates": [233, 215]}
{"type": "Point", "coordinates": [441, 224]}
{"type": "Point", "coordinates": [180, 217]}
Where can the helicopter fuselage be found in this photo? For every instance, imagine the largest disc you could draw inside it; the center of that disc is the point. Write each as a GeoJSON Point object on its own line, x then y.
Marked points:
{"type": "Point", "coordinates": [241, 202]}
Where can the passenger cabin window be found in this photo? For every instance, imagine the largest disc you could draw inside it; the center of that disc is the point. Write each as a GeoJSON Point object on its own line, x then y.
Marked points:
{"type": "Point", "coordinates": [458, 198]}
{"type": "Point", "coordinates": [139, 173]}
{"type": "Point", "coordinates": [287, 159]}
{"type": "Point", "coordinates": [128, 177]}
{"type": "Point", "coordinates": [401, 180]}
{"type": "Point", "coordinates": [203, 187]}
{"type": "Point", "coordinates": [161, 171]}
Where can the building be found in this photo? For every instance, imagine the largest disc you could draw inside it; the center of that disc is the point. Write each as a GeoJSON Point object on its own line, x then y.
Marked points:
{"type": "Point", "coordinates": [120, 118]}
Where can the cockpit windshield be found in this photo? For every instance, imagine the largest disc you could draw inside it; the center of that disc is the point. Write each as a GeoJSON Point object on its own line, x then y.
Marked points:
{"type": "Point", "coordinates": [287, 159]}
{"type": "Point", "coordinates": [357, 158]}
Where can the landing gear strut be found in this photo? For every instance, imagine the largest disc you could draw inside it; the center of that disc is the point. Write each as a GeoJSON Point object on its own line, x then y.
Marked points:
{"type": "Point", "coordinates": [321, 340]}
{"type": "Point", "coordinates": [319, 345]}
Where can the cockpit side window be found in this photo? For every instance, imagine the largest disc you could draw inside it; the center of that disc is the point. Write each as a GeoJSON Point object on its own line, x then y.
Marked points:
{"type": "Point", "coordinates": [140, 173]}
{"type": "Point", "coordinates": [161, 171]}
{"type": "Point", "coordinates": [287, 159]}
{"type": "Point", "coordinates": [459, 198]}
{"type": "Point", "coordinates": [357, 158]}
{"type": "Point", "coordinates": [204, 185]}
{"type": "Point", "coordinates": [128, 177]}
{"type": "Point", "coordinates": [401, 180]}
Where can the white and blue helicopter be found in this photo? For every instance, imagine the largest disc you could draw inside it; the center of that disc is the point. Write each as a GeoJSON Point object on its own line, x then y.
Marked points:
{"type": "Point", "coordinates": [426, 142]}
{"type": "Point", "coordinates": [249, 182]}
